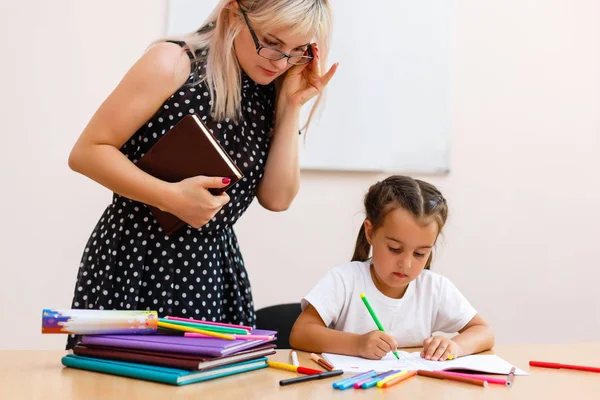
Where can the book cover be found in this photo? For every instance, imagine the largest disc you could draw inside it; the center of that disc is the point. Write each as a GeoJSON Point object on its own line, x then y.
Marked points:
{"type": "Point", "coordinates": [171, 376]}
{"type": "Point", "coordinates": [188, 149]}
{"type": "Point", "coordinates": [170, 359]}
{"type": "Point", "coordinates": [179, 344]}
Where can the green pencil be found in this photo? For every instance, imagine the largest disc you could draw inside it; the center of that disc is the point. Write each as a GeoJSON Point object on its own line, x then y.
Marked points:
{"type": "Point", "coordinates": [364, 299]}
{"type": "Point", "coordinates": [212, 328]}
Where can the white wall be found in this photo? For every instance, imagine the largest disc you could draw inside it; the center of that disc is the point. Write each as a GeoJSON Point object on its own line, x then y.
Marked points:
{"type": "Point", "coordinates": [523, 190]}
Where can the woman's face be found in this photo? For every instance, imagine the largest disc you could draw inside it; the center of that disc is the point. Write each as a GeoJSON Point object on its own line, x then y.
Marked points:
{"type": "Point", "coordinates": [260, 69]}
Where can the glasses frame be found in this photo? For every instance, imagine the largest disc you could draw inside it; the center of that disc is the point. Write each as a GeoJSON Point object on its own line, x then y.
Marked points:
{"type": "Point", "coordinates": [259, 46]}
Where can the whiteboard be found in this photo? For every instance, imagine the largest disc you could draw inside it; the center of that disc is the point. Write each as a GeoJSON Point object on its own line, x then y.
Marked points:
{"type": "Point", "coordinates": [388, 106]}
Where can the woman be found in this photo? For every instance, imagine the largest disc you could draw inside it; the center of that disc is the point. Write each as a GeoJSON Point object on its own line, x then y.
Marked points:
{"type": "Point", "coordinates": [246, 72]}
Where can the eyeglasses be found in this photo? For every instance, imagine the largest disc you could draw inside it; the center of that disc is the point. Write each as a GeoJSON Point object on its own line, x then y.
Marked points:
{"type": "Point", "coordinates": [274, 54]}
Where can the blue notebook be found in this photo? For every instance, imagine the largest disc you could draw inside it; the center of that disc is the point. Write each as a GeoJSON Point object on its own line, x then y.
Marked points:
{"type": "Point", "coordinates": [154, 373]}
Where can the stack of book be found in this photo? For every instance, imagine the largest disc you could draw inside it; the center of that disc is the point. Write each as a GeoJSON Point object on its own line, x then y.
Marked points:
{"type": "Point", "coordinates": [182, 351]}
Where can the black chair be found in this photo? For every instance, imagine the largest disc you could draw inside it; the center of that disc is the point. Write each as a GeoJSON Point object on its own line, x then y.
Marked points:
{"type": "Point", "coordinates": [280, 318]}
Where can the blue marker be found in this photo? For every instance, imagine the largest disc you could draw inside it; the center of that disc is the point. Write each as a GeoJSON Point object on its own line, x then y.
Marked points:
{"type": "Point", "coordinates": [373, 382]}
{"type": "Point", "coordinates": [349, 382]}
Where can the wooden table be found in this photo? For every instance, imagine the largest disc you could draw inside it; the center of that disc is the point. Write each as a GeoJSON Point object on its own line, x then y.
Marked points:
{"type": "Point", "coordinates": [40, 375]}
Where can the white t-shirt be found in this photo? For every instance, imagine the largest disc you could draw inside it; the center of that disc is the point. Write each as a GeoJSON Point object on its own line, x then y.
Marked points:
{"type": "Point", "coordinates": [431, 304]}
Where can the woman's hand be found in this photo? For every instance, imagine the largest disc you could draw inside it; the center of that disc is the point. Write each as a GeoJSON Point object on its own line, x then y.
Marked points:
{"type": "Point", "coordinates": [303, 82]}
{"type": "Point", "coordinates": [439, 348]}
{"type": "Point", "coordinates": [193, 203]}
{"type": "Point", "coordinates": [376, 344]}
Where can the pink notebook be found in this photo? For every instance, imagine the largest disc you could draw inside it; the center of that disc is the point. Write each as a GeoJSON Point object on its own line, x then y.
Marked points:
{"type": "Point", "coordinates": [213, 347]}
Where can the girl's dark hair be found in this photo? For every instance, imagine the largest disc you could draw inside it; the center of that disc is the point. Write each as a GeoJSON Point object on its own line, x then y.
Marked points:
{"type": "Point", "coordinates": [421, 199]}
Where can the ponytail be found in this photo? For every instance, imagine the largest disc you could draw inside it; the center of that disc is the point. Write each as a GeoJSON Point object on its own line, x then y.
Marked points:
{"type": "Point", "coordinates": [428, 263]}
{"type": "Point", "coordinates": [361, 251]}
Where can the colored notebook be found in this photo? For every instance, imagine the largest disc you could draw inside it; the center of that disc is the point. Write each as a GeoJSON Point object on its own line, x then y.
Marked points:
{"type": "Point", "coordinates": [179, 344]}
{"type": "Point", "coordinates": [172, 376]}
{"type": "Point", "coordinates": [188, 149]}
{"type": "Point", "coordinates": [485, 363]}
{"type": "Point", "coordinates": [171, 360]}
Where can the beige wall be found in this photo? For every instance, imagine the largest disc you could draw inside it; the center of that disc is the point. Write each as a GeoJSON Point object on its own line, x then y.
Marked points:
{"type": "Point", "coordinates": [524, 191]}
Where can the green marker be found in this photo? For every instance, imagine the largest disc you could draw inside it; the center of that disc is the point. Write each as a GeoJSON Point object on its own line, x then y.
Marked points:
{"type": "Point", "coordinates": [364, 299]}
{"type": "Point", "coordinates": [212, 328]}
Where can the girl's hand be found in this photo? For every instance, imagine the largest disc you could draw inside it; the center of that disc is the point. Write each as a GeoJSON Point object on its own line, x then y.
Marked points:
{"type": "Point", "coordinates": [303, 82]}
{"type": "Point", "coordinates": [439, 348]}
{"type": "Point", "coordinates": [375, 345]}
{"type": "Point", "coordinates": [193, 203]}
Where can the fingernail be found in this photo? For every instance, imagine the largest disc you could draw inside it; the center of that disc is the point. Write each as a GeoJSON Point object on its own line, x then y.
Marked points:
{"type": "Point", "coordinates": [226, 180]}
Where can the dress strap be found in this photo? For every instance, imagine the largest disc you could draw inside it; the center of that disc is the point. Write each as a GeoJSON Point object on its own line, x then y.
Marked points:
{"type": "Point", "coordinates": [183, 45]}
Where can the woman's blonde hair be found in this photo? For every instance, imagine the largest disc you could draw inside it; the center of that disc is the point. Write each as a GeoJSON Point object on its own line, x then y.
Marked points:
{"type": "Point", "coordinates": [217, 33]}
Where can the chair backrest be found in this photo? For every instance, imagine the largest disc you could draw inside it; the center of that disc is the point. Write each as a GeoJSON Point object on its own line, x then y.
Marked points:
{"type": "Point", "coordinates": [280, 318]}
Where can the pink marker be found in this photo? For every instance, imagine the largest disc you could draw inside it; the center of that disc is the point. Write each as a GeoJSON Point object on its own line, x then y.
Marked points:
{"type": "Point", "coordinates": [238, 337]}
{"type": "Point", "coordinates": [487, 378]}
{"type": "Point", "coordinates": [358, 384]}
{"type": "Point", "coordinates": [248, 328]}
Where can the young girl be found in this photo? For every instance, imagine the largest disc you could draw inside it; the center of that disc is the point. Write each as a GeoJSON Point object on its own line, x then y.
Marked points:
{"type": "Point", "coordinates": [404, 219]}
{"type": "Point", "coordinates": [246, 72]}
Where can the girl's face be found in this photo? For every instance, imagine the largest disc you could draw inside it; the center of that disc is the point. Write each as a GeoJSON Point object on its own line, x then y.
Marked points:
{"type": "Point", "coordinates": [401, 247]}
{"type": "Point", "coordinates": [261, 70]}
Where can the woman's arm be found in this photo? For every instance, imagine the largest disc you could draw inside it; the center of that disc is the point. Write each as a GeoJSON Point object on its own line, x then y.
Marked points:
{"type": "Point", "coordinates": [281, 178]}
{"type": "Point", "coordinates": [151, 80]}
{"type": "Point", "coordinates": [145, 87]}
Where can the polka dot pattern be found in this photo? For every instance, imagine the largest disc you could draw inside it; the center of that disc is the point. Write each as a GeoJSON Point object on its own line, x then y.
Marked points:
{"type": "Point", "coordinates": [129, 263]}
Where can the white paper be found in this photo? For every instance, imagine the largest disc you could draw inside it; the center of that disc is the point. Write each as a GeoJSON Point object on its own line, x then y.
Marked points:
{"type": "Point", "coordinates": [488, 363]}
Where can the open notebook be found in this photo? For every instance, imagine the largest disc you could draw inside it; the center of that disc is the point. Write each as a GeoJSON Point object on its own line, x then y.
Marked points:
{"type": "Point", "coordinates": [488, 363]}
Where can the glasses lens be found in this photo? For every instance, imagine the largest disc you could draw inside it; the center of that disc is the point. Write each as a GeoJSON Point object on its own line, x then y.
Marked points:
{"type": "Point", "coordinates": [270, 54]}
{"type": "Point", "coordinates": [299, 60]}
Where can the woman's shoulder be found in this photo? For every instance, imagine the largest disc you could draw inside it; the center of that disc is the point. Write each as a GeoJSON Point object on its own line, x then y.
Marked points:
{"type": "Point", "coordinates": [167, 62]}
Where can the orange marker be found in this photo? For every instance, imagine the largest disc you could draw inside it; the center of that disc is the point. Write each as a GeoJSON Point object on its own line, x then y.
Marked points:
{"type": "Point", "coordinates": [399, 379]}
{"type": "Point", "coordinates": [444, 375]}
{"type": "Point", "coordinates": [321, 361]}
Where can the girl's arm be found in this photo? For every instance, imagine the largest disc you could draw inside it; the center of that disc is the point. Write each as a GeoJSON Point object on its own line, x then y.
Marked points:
{"type": "Point", "coordinates": [475, 337]}
{"type": "Point", "coordinates": [310, 334]}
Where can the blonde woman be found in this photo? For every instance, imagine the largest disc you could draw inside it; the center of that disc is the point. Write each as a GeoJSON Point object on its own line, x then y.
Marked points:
{"type": "Point", "coordinates": [247, 72]}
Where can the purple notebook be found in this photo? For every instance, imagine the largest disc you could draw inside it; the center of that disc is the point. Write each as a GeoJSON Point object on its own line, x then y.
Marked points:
{"type": "Point", "coordinates": [213, 347]}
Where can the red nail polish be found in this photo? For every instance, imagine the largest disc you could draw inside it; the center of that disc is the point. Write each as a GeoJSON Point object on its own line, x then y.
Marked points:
{"type": "Point", "coordinates": [226, 181]}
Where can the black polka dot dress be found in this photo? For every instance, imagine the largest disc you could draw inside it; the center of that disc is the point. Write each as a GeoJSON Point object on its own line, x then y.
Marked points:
{"type": "Point", "coordinates": [129, 263]}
